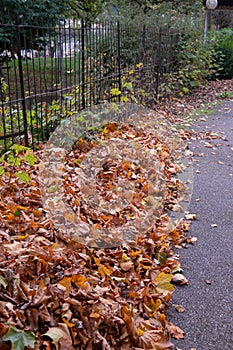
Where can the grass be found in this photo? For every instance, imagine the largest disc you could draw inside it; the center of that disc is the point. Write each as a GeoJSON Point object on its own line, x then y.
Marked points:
{"type": "Point", "coordinates": [41, 75]}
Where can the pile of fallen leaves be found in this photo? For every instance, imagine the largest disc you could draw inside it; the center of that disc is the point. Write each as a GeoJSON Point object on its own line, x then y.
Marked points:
{"type": "Point", "coordinates": [57, 293]}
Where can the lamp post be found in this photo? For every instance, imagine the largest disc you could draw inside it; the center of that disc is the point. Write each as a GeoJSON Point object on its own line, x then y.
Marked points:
{"type": "Point", "coordinates": [210, 6]}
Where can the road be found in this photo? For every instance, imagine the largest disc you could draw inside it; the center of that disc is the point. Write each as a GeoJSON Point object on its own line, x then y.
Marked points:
{"type": "Point", "coordinates": [208, 264]}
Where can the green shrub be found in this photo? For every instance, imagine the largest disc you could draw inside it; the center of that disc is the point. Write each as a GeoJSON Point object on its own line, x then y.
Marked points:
{"type": "Point", "coordinates": [195, 63]}
{"type": "Point", "coordinates": [224, 51]}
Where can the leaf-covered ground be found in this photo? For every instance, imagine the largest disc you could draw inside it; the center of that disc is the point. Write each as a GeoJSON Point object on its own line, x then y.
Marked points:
{"type": "Point", "coordinates": [58, 293]}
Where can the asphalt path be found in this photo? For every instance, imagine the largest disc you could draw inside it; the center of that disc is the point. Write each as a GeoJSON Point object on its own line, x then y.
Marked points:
{"type": "Point", "coordinates": [208, 264]}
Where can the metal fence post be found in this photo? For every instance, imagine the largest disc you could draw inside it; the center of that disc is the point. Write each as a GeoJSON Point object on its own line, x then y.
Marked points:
{"type": "Point", "coordinates": [83, 62]}
{"type": "Point", "coordinates": [21, 78]}
{"type": "Point", "coordinates": [119, 54]}
{"type": "Point", "coordinates": [158, 62]}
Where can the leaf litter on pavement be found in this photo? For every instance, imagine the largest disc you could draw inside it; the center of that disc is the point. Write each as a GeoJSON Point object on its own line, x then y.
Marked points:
{"type": "Point", "coordinates": [59, 293]}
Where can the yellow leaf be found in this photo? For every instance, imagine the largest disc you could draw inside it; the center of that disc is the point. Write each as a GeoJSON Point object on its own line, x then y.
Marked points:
{"type": "Point", "coordinates": [136, 253]}
{"type": "Point", "coordinates": [163, 283]}
{"type": "Point", "coordinates": [140, 332]}
{"type": "Point", "coordinates": [139, 65]}
{"type": "Point", "coordinates": [22, 237]}
{"type": "Point", "coordinates": [115, 92]}
{"type": "Point", "coordinates": [69, 324]}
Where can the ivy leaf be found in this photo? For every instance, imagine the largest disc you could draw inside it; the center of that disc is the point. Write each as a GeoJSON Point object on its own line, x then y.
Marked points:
{"type": "Point", "coordinates": [19, 339]}
{"type": "Point", "coordinates": [18, 148]}
{"type": "Point", "coordinates": [23, 176]}
{"type": "Point", "coordinates": [13, 161]}
{"type": "Point", "coordinates": [30, 159]}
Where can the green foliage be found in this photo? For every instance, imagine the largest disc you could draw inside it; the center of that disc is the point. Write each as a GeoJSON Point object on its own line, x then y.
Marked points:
{"type": "Point", "coordinates": [12, 159]}
{"type": "Point", "coordinates": [19, 339]}
{"type": "Point", "coordinates": [41, 12]}
{"type": "Point", "coordinates": [225, 94]}
{"type": "Point", "coordinates": [164, 12]}
{"type": "Point", "coordinates": [86, 9]}
{"type": "Point", "coordinates": [224, 51]}
{"type": "Point", "coordinates": [23, 176]}
{"type": "Point", "coordinates": [143, 24]}
{"type": "Point", "coordinates": [3, 88]}
{"type": "Point", "coordinates": [195, 64]}
{"type": "Point", "coordinates": [36, 12]}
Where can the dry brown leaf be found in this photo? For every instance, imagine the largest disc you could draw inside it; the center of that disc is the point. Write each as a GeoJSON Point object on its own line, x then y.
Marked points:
{"type": "Point", "coordinates": [60, 337]}
{"type": "Point", "coordinates": [179, 279]}
{"type": "Point", "coordinates": [176, 332]}
{"type": "Point", "coordinates": [179, 308]}
{"type": "Point", "coordinates": [208, 145]}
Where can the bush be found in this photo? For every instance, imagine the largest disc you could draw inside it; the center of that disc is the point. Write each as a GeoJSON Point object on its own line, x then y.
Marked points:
{"type": "Point", "coordinates": [195, 63]}
{"type": "Point", "coordinates": [224, 51]}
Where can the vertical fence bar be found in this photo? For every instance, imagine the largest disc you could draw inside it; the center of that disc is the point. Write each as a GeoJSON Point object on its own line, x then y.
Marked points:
{"type": "Point", "coordinates": [21, 78]}
{"type": "Point", "coordinates": [119, 55]}
{"type": "Point", "coordinates": [158, 61]}
{"type": "Point", "coordinates": [83, 62]}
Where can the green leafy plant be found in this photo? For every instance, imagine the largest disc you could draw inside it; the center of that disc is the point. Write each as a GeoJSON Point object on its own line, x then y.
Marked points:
{"type": "Point", "coordinates": [11, 160]}
{"type": "Point", "coordinates": [225, 94]}
{"type": "Point", "coordinates": [196, 63]}
{"type": "Point", "coordinates": [224, 51]}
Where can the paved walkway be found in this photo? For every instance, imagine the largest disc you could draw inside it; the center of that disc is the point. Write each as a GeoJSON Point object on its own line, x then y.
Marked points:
{"type": "Point", "coordinates": [208, 265]}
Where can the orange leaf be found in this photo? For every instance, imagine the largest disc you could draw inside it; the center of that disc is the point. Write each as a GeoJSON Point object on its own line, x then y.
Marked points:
{"type": "Point", "coordinates": [162, 319]}
{"type": "Point", "coordinates": [69, 324]}
{"type": "Point", "coordinates": [20, 207]}
{"type": "Point", "coordinates": [35, 225]}
{"type": "Point", "coordinates": [94, 315]}
{"type": "Point", "coordinates": [97, 261]}
{"type": "Point", "coordinates": [22, 237]}
{"type": "Point", "coordinates": [104, 270]}
{"type": "Point", "coordinates": [65, 282]}
{"type": "Point", "coordinates": [79, 280]}
{"type": "Point", "coordinates": [138, 252]}
{"type": "Point", "coordinates": [37, 213]}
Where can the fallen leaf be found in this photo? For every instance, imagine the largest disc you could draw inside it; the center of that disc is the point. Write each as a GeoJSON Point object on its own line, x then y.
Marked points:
{"type": "Point", "coordinates": [208, 282]}
{"type": "Point", "coordinates": [190, 216]}
{"type": "Point", "coordinates": [3, 282]}
{"type": "Point", "coordinates": [179, 308]}
{"type": "Point", "coordinates": [208, 145]}
{"type": "Point", "coordinates": [176, 332]}
{"type": "Point", "coordinates": [19, 339]}
{"type": "Point", "coordinates": [163, 282]}
{"type": "Point", "coordinates": [60, 337]}
{"type": "Point", "coordinates": [126, 266]}
{"type": "Point", "coordinates": [179, 279]}
{"type": "Point", "coordinates": [192, 240]}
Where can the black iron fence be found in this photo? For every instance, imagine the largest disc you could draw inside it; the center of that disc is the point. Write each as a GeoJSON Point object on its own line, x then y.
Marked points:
{"type": "Point", "coordinates": [49, 73]}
